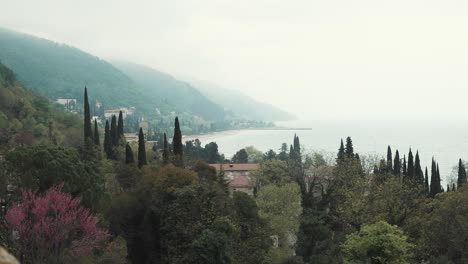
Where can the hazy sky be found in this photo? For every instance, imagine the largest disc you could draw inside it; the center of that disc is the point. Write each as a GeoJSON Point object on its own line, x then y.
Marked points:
{"type": "Point", "coordinates": [359, 59]}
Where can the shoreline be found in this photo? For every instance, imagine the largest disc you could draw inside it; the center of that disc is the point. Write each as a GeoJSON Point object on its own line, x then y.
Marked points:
{"type": "Point", "coordinates": [234, 131]}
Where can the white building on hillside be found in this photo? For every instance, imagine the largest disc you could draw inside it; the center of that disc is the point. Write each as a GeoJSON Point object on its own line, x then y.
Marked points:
{"type": "Point", "coordinates": [125, 112]}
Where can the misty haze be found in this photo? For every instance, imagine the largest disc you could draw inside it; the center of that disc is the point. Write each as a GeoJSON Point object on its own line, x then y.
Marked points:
{"type": "Point", "coordinates": [233, 132]}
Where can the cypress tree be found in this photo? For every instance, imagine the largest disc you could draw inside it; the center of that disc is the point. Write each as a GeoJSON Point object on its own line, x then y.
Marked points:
{"type": "Point", "coordinates": [435, 180]}
{"type": "Point", "coordinates": [107, 141]}
{"type": "Point", "coordinates": [297, 147]}
{"type": "Point", "coordinates": [397, 164]}
{"type": "Point", "coordinates": [461, 174]}
{"type": "Point", "coordinates": [129, 154]}
{"type": "Point", "coordinates": [448, 187]}
{"type": "Point", "coordinates": [454, 188]}
{"type": "Point", "coordinates": [97, 142]}
{"type": "Point", "coordinates": [426, 183]}
{"type": "Point", "coordinates": [419, 176]}
{"type": "Point", "coordinates": [114, 133]}
{"type": "Point", "coordinates": [405, 170]}
{"type": "Point", "coordinates": [341, 153]}
{"type": "Point", "coordinates": [349, 150]}
{"type": "Point", "coordinates": [410, 170]}
{"type": "Point", "coordinates": [120, 127]}
{"type": "Point", "coordinates": [295, 152]}
{"type": "Point", "coordinates": [88, 133]}
{"type": "Point", "coordinates": [389, 160]}
{"type": "Point", "coordinates": [141, 149]}
{"type": "Point", "coordinates": [177, 144]}
{"type": "Point", "coordinates": [438, 180]}
{"type": "Point", "coordinates": [165, 151]}
{"type": "Point", "coordinates": [433, 188]}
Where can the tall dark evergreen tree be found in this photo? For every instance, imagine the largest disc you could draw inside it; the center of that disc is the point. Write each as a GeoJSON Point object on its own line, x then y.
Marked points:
{"type": "Point", "coordinates": [107, 141]}
{"type": "Point", "coordinates": [165, 151]}
{"type": "Point", "coordinates": [349, 150]}
{"type": "Point", "coordinates": [426, 183]}
{"type": "Point", "coordinates": [141, 149]}
{"type": "Point", "coordinates": [434, 183]}
{"type": "Point", "coordinates": [114, 133]}
{"type": "Point", "coordinates": [297, 147]}
{"type": "Point", "coordinates": [295, 153]}
{"type": "Point", "coordinates": [405, 169]}
{"type": "Point", "coordinates": [435, 187]}
{"type": "Point", "coordinates": [97, 141]}
{"type": "Point", "coordinates": [397, 164]}
{"type": "Point", "coordinates": [438, 179]}
{"type": "Point", "coordinates": [389, 160]}
{"type": "Point", "coordinates": [129, 154]}
{"type": "Point", "coordinates": [448, 187]}
{"type": "Point", "coordinates": [454, 188]}
{"type": "Point", "coordinates": [341, 153]}
{"type": "Point", "coordinates": [418, 173]}
{"type": "Point", "coordinates": [120, 127]}
{"type": "Point", "coordinates": [88, 133]}
{"type": "Point", "coordinates": [410, 170]}
{"type": "Point", "coordinates": [461, 174]}
{"type": "Point", "coordinates": [177, 145]}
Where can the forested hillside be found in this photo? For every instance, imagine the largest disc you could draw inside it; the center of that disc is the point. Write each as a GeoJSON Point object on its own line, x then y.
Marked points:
{"type": "Point", "coordinates": [26, 118]}
{"type": "Point", "coordinates": [169, 92]}
{"type": "Point", "coordinates": [57, 70]}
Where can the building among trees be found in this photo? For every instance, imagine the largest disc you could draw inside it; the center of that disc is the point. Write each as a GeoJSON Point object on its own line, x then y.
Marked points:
{"type": "Point", "coordinates": [237, 176]}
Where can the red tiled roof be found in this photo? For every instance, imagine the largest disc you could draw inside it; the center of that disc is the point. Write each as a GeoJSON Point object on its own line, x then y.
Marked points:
{"type": "Point", "coordinates": [240, 181]}
{"type": "Point", "coordinates": [235, 167]}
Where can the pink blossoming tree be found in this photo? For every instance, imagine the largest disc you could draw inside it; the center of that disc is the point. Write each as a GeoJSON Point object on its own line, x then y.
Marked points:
{"type": "Point", "coordinates": [52, 227]}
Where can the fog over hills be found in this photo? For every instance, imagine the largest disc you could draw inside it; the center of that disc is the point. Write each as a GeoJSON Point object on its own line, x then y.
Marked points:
{"type": "Point", "coordinates": [240, 103]}
{"type": "Point", "coordinates": [57, 70]}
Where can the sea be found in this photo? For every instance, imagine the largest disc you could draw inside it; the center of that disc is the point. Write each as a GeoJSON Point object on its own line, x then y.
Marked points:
{"type": "Point", "coordinates": [445, 141]}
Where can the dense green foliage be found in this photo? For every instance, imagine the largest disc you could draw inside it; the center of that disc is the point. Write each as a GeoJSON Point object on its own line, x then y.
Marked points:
{"type": "Point", "coordinates": [379, 243]}
{"type": "Point", "coordinates": [41, 167]}
{"type": "Point", "coordinates": [26, 119]}
{"type": "Point", "coordinates": [241, 156]}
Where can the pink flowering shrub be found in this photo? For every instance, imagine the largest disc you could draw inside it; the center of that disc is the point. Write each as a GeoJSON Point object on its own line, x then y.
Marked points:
{"type": "Point", "coordinates": [47, 228]}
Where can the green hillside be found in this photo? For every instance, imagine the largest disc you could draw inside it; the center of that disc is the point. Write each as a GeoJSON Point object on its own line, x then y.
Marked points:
{"type": "Point", "coordinates": [27, 119]}
{"type": "Point", "coordinates": [56, 70]}
{"type": "Point", "coordinates": [170, 92]}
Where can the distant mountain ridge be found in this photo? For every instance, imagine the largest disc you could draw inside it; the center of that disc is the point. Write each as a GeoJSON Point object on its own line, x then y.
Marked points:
{"type": "Point", "coordinates": [57, 70]}
{"type": "Point", "coordinates": [170, 90]}
{"type": "Point", "coordinates": [240, 103]}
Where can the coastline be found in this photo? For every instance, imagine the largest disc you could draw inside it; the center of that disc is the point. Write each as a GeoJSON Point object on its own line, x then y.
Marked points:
{"type": "Point", "coordinates": [235, 131]}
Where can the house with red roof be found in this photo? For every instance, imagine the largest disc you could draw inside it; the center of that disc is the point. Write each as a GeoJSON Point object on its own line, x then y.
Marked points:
{"type": "Point", "coordinates": [238, 176]}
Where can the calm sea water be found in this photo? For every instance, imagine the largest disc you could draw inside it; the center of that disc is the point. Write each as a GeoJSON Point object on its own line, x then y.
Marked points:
{"type": "Point", "coordinates": [445, 141]}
